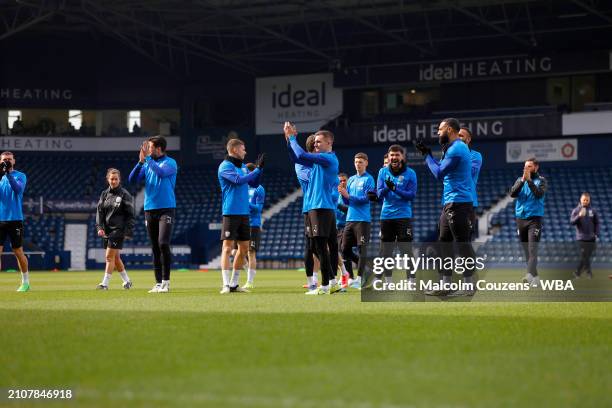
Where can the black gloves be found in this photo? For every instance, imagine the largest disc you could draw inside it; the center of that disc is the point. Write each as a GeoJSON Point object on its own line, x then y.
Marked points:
{"type": "Point", "coordinates": [424, 150]}
{"type": "Point", "coordinates": [390, 184]}
{"type": "Point", "coordinates": [372, 196]}
{"type": "Point", "coordinates": [5, 166]}
{"type": "Point", "coordinates": [261, 161]}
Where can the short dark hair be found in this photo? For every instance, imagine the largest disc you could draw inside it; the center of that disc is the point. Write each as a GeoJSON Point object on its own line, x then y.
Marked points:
{"type": "Point", "coordinates": [452, 123]}
{"type": "Point", "coordinates": [342, 175]}
{"type": "Point", "coordinates": [159, 141]}
{"type": "Point", "coordinates": [250, 166]}
{"type": "Point", "coordinates": [326, 133]}
{"type": "Point", "coordinates": [361, 155]}
{"type": "Point", "coordinates": [467, 130]}
{"type": "Point", "coordinates": [310, 143]}
{"type": "Point", "coordinates": [534, 161]}
{"type": "Point", "coordinates": [110, 171]}
{"type": "Point", "coordinates": [395, 148]}
{"type": "Point", "coordinates": [386, 155]}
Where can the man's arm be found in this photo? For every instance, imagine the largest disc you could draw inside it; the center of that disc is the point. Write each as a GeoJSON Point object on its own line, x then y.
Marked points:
{"type": "Point", "coordinates": [255, 182]}
{"type": "Point", "coordinates": [538, 191]}
{"type": "Point", "coordinates": [476, 165]}
{"type": "Point", "coordinates": [311, 158]}
{"type": "Point", "coordinates": [166, 169]}
{"type": "Point", "coordinates": [16, 183]}
{"type": "Point", "coordinates": [294, 159]}
{"type": "Point", "coordinates": [441, 169]}
{"type": "Point", "coordinates": [517, 187]}
{"type": "Point", "coordinates": [232, 176]}
{"type": "Point", "coordinates": [137, 174]}
{"type": "Point", "coordinates": [575, 216]}
{"type": "Point", "coordinates": [381, 188]}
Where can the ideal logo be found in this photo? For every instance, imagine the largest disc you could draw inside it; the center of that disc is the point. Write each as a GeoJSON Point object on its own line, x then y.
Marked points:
{"type": "Point", "coordinates": [288, 97]}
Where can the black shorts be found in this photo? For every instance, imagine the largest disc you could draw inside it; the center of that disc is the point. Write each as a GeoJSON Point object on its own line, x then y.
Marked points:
{"type": "Point", "coordinates": [399, 230]}
{"type": "Point", "coordinates": [13, 230]}
{"type": "Point", "coordinates": [339, 233]}
{"type": "Point", "coordinates": [236, 228]}
{"type": "Point", "coordinates": [255, 239]}
{"type": "Point", "coordinates": [113, 243]}
{"type": "Point", "coordinates": [356, 233]}
{"type": "Point", "coordinates": [306, 224]}
{"type": "Point", "coordinates": [321, 223]}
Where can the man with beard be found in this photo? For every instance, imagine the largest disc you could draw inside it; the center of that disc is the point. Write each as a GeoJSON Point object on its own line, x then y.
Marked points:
{"type": "Point", "coordinates": [455, 224]}
{"type": "Point", "coordinates": [466, 136]}
{"type": "Point", "coordinates": [529, 191]}
{"type": "Point", "coordinates": [397, 187]}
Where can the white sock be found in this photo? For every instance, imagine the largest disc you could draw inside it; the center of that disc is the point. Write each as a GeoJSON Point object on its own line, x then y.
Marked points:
{"type": "Point", "coordinates": [326, 288]}
{"type": "Point", "coordinates": [333, 282]}
{"type": "Point", "coordinates": [165, 283]}
{"type": "Point", "coordinates": [106, 279]}
{"type": "Point", "coordinates": [388, 279]}
{"type": "Point", "coordinates": [124, 276]}
{"type": "Point", "coordinates": [311, 281]}
{"type": "Point", "coordinates": [251, 275]}
{"type": "Point", "coordinates": [314, 276]}
{"type": "Point", "coordinates": [358, 279]}
{"type": "Point", "coordinates": [343, 269]}
{"type": "Point", "coordinates": [225, 274]}
{"type": "Point", "coordinates": [235, 278]}
{"type": "Point", "coordinates": [25, 277]}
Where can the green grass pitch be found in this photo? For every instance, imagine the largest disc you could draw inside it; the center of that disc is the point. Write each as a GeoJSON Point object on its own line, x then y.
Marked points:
{"type": "Point", "coordinates": [275, 347]}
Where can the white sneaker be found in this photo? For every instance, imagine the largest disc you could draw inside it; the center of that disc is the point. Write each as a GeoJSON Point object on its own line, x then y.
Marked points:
{"type": "Point", "coordinates": [225, 290]}
{"type": "Point", "coordinates": [535, 282]}
{"type": "Point", "coordinates": [155, 288]}
{"type": "Point", "coordinates": [164, 288]}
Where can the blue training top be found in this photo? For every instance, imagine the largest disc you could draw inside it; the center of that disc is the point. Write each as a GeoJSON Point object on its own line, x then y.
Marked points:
{"type": "Point", "coordinates": [358, 201]}
{"type": "Point", "coordinates": [12, 186]}
{"type": "Point", "coordinates": [257, 196]}
{"type": "Point", "coordinates": [455, 170]}
{"type": "Point", "coordinates": [323, 177]}
{"type": "Point", "coordinates": [235, 182]}
{"type": "Point", "coordinates": [396, 204]}
{"type": "Point", "coordinates": [159, 176]}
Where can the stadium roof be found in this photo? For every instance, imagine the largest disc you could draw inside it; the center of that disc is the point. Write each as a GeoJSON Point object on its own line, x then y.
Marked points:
{"type": "Point", "coordinates": [266, 37]}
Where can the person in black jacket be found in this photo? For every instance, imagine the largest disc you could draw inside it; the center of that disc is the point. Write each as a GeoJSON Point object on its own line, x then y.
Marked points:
{"type": "Point", "coordinates": [586, 221]}
{"type": "Point", "coordinates": [115, 222]}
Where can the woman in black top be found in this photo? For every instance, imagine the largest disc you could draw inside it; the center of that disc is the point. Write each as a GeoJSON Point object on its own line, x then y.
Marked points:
{"type": "Point", "coordinates": [115, 222]}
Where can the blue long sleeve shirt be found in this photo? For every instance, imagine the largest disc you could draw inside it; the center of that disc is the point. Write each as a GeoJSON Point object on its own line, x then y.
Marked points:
{"type": "Point", "coordinates": [159, 176]}
{"type": "Point", "coordinates": [397, 204]}
{"type": "Point", "coordinates": [323, 177]}
{"type": "Point", "coordinates": [455, 171]}
{"type": "Point", "coordinates": [12, 187]}
{"type": "Point", "coordinates": [235, 182]}
{"type": "Point", "coordinates": [257, 196]}
{"type": "Point", "coordinates": [358, 201]}
{"type": "Point", "coordinates": [476, 165]}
